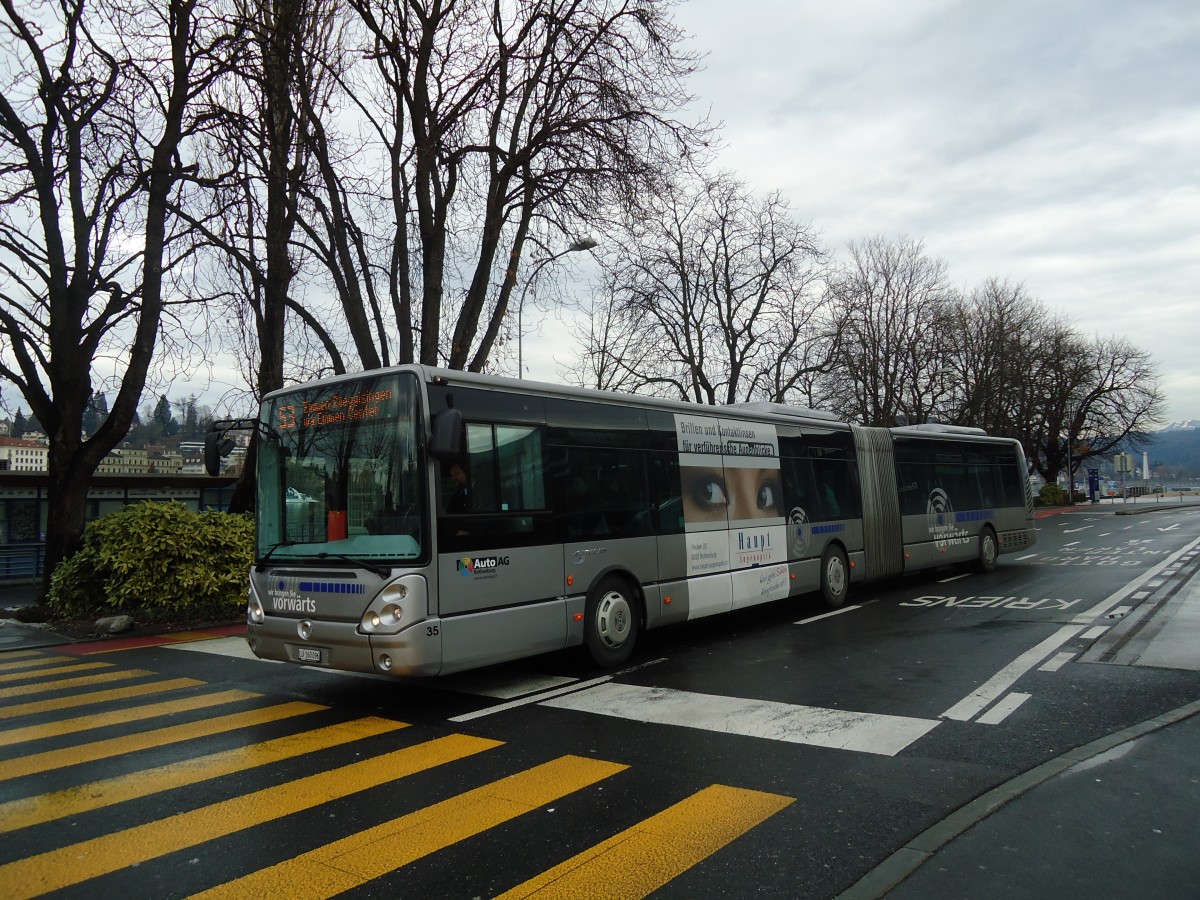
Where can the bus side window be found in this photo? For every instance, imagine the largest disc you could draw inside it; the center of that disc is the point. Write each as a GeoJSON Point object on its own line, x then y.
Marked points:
{"type": "Point", "coordinates": [798, 489]}
{"type": "Point", "coordinates": [666, 492]}
{"type": "Point", "coordinates": [604, 494]}
{"type": "Point", "coordinates": [836, 491]}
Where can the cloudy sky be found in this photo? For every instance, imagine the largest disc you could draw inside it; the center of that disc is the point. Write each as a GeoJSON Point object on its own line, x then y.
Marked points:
{"type": "Point", "coordinates": [1052, 142]}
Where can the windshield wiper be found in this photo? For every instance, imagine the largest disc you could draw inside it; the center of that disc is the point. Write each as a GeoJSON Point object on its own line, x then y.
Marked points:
{"type": "Point", "coordinates": [369, 566]}
{"type": "Point", "coordinates": [271, 550]}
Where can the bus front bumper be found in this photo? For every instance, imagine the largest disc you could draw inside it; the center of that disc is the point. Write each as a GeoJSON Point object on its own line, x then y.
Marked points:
{"type": "Point", "coordinates": [340, 645]}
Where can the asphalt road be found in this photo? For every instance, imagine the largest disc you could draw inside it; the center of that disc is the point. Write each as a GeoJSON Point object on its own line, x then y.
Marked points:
{"type": "Point", "coordinates": [778, 752]}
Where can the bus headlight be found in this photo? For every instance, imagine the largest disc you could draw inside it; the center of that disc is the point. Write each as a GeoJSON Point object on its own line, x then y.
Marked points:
{"type": "Point", "coordinates": [255, 615]}
{"type": "Point", "coordinates": [398, 605]}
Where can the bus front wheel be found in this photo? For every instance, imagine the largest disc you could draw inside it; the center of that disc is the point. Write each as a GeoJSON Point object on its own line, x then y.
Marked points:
{"type": "Point", "coordinates": [610, 622]}
{"type": "Point", "coordinates": [988, 551]}
{"type": "Point", "coordinates": [835, 577]}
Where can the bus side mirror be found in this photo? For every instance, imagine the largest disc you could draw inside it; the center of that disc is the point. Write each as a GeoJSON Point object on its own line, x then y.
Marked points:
{"type": "Point", "coordinates": [445, 440]}
{"type": "Point", "coordinates": [218, 443]}
{"type": "Point", "coordinates": [216, 446]}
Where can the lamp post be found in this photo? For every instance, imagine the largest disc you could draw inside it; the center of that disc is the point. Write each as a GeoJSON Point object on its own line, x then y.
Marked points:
{"type": "Point", "coordinates": [581, 244]}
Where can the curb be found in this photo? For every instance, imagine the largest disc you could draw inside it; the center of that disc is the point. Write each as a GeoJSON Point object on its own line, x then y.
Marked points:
{"type": "Point", "coordinates": [903, 862]}
{"type": "Point", "coordinates": [113, 644]}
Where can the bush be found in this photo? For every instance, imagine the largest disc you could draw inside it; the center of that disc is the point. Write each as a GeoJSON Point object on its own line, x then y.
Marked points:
{"type": "Point", "coordinates": [1052, 495]}
{"type": "Point", "coordinates": [158, 562]}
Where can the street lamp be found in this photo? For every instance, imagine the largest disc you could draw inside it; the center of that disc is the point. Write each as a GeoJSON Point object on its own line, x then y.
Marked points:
{"type": "Point", "coordinates": [581, 244]}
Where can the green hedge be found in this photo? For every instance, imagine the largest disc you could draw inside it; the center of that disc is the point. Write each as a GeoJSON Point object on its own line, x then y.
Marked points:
{"type": "Point", "coordinates": [1052, 495]}
{"type": "Point", "coordinates": [158, 562]}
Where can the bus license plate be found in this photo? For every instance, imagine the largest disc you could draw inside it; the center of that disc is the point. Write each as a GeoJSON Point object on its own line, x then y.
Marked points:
{"type": "Point", "coordinates": [310, 654]}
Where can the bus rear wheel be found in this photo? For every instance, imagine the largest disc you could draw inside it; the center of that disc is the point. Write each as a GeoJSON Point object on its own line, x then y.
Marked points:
{"type": "Point", "coordinates": [611, 622]}
{"type": "Point", "coordinates": [835, 577]}
{"type": "Point", "coordinates": [988, 551]}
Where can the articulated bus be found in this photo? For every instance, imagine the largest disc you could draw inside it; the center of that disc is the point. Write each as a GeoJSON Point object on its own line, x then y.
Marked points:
{"type": "Point", "coordinates": [419, 521]}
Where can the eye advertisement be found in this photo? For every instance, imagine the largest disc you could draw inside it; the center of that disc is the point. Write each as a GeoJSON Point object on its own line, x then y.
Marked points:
{"type": "Point", "coordinates": [733, 504]}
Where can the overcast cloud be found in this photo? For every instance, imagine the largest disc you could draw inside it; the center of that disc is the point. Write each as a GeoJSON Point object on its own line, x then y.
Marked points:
{"type": "Point", "coordinates": [1053, 143]}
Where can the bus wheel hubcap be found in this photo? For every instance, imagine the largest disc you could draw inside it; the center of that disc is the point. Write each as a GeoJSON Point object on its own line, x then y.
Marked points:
{"type": "Point", "coordinates": [613, 618]}
{"type": "Point", "coordinates": [836, 575]}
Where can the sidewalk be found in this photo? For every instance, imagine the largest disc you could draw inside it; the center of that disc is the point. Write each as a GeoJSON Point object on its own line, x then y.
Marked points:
{"type": "Point", "coordinates": [1115, 818]}
{"type": "Point", "coordinates": [17, 635]}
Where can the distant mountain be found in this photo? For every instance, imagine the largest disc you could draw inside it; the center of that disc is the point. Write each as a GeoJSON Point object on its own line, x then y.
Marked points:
{"type": "Point", "coordinates": [1193, 424]}
{"type": "Point", "coordinates": [1176, 449]}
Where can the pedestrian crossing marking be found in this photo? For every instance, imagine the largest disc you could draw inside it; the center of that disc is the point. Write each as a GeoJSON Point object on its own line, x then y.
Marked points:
{"type": "Point", "coordinates": [60, 670]}
{"type": "Point", "coordinates": [173, 734]}
{"type": "Point", "coordinates": [634, 863]}
{"type": "Point", "coordinates": [121, 716]}
{"type": "Point", "coordinates": [643, 858]}
{"type": "Point", "coordinates": [62, 684]}
{"type": "Point", "coordinates": [76, 863]}
{"type": "Point", "coordinates": [36, 707]}
{"type": "Point", "coordinates": [17, 814]}
{"type": "Point", "coordinates": [22, 654]}
{"type": "Point", "coordinates": [28, 663]}
{"type": "Point", "coordinates": [839, 729]}
{"type": "Point", "coordinates": [359, 858]}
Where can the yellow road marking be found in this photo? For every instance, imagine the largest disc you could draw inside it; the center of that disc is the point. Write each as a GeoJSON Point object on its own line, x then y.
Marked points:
{"type": "Point", "coordinates": [138, 690]}
{"type": "Point", "coordinates": [83, 681]}
{"type": "Point", "coordinates": [356, 859]}
{"type": "Point", "coordinates": [17, 814]}
{"type": "Point", "coordinates": [69, 756]}
{"type": "Point", "coordinates": [57, 869]}
{"type": "Point", "coordinates": [120, 716]}
{"type": "Point", "coordinates": [61, 670]}
{"type": "Point", "coordinates": [20, 654]}
{"type": "Point", "coordinates": [643, 858]}
{"type": "Point", "coordinates": [40, 661]}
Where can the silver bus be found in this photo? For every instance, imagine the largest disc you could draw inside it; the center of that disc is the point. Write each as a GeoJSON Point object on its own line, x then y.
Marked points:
{"type": "Point", "coordinates": [421, 521]}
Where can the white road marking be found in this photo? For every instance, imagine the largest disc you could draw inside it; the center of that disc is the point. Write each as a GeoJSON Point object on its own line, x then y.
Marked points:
{"type": "Point", "coordinates": [1056, 662]}
{"type": "Point", "coordinates": [1092, 633]}
{"type": "Point", "coordinates": [1026, 556]}
{"type": "Point", "coordinates": [863, 732]}
{"type": "Point", "coordinates": [984, 695]}
{"type": "Point", "coordinates": [525, 701]}
{"type": "Point", "coordinates": [503, 688]}
{"type": "Point", "coordinates": [836, 612]}
{"type": "Point", "coordinates": [1001, 711]}
{"type": "Point", "coordinates": [1141, 581]}
{"type": "Point", "coordinates": [954, 578]}
{"type": "Point", "coordinates": [544, 695]}
{"type": "Point", "coordinates": [226, 646]}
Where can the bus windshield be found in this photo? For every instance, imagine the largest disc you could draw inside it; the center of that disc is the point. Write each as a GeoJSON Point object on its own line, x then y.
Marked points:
{"type": "Point", "coordinates": [340, 472]}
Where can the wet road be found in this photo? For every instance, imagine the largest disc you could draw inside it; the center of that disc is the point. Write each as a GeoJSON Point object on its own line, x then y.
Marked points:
{"type": "Point", "coordinates": [778, 752]}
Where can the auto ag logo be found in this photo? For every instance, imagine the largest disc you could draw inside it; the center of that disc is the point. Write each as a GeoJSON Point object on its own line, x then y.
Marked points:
{"type": "Point", "coordinates": [481, 566]}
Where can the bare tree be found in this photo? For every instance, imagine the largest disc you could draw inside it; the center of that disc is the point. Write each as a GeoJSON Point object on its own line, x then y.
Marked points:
{"type": "Point", "coordinates": [262, 172]}
{"type": "Point", "coordinates": [716, 297]}
{"type": "Point", "coordinates": [1103, 395]}
{"type": "Point", "coordinates": [994, 341]}
{"type": "Point", "coordinates": [491, 124]}
{"type": "Point", "coordinates": [97, 118]}
{"type": "Point", "coordinates": [896, 304]}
